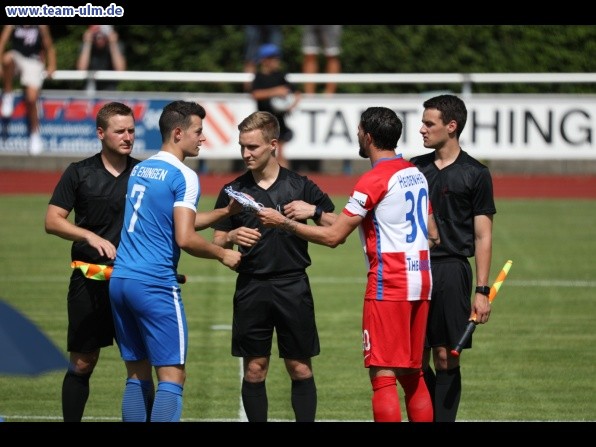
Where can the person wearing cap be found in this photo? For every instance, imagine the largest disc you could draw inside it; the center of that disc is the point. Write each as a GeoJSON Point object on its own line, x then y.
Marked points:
{"type": "Point", "coordinates": [270, 88]}
{"type": "Point", "coordinates": [101, 50]}
{"type": "Point", "coordinates": [254, 37]}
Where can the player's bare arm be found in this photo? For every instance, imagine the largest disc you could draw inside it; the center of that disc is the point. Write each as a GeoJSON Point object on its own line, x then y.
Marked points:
{"type": "Point", "coordinates": [57, 223]}
{"type": "Point", "coordinates": [482, 257]}
{"type": "Point", "coordinates": [204, 219]}
{"type": "Point", "coordinates": [330, 236]}
{"type": "Point", "coordinates": [194, 244]}
{"type": "Point", "coordinates": [244, 236]}
{"type": "Point", "coordinates": [301, 210]}
{"type": "Point", "coordinates": [434, 238]}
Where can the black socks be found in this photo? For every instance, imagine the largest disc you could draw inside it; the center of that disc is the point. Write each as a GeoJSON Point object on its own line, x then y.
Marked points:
{"type": "Point", "coordinates": [75, 392]}
{"type": "Point", "coordinates": [304, 399]}
{"type": "Point", "coordinates": [254, 399]}
{"type": "Point", "coordinates": [447, 394]}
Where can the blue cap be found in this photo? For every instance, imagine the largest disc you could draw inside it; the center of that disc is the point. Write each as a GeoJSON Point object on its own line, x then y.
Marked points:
{"type": "Point", "coordinates": [268, 50]}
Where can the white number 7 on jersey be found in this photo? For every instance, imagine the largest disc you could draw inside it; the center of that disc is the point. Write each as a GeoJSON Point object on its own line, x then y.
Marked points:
{"type": "Point", "coordinates": [140, 190]}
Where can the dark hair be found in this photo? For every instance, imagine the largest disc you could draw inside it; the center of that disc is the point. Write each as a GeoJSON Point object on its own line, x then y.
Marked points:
{"type": "Point", "coordinates": [452, 108]}
{"type": "Point", "coordinates": [266, 122]}
{"type": "Point", "coordinates": [383, 125]}
{"type": "Point", "coordinates": [109, 110]}
{"type": "Point", "coordinates": [178, 114]}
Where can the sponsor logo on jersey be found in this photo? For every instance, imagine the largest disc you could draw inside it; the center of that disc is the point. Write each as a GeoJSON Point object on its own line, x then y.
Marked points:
{"type": "Point", "coordinates": [360, 198]}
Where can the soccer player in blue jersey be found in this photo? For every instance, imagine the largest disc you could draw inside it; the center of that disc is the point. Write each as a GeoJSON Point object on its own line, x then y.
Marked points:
{"type": "Point", "coordinates": [159, 221]}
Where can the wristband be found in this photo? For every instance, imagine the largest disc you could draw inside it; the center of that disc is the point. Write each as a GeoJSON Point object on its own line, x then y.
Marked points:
{"type": "Point", "coordinates": [484, 290]}
{"type": "Point", "coordinates": [318, 213]}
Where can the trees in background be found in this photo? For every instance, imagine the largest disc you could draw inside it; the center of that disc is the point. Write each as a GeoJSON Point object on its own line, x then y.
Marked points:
{"type": "Point", "coordinates": [365, 49]}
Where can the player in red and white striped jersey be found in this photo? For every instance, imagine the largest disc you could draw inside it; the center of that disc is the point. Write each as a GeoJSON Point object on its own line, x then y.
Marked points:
{"type": "Point", "coordinates": [391, 208]}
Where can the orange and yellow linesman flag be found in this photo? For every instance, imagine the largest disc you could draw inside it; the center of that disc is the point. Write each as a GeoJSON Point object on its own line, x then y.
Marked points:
{"type": "Point", "coordinates": [472, 323]}
{"type": "Point", "coordinates": [499, 281]}
{"type": "Point", "coordinates": [93, 271]}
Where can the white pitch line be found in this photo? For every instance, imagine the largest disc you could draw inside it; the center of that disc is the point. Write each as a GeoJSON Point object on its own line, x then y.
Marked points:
{"type": "Point", "coordinates": [568, 283]}
{"type": "Point", "coordinates": [13, 418]}
{"type": "Point", "coordinates": [241, 413]}
{"type": "Point", "coordinates": [314, 280]}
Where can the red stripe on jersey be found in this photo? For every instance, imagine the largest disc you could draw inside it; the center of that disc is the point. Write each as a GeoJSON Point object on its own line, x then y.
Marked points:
{"type": "Point", "coordinates": [426, 276]}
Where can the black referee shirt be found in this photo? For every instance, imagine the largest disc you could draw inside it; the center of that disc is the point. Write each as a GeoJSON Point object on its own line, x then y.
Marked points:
{"type": "Point", "coordinates": [97, 198]}
{"type": "Point", "coordinates": [278, 251]}
{"type": "Point", "coordinates": [458, 192]}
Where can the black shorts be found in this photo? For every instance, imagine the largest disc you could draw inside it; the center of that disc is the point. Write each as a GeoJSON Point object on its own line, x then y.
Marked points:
{"type": "Point", "coordinates": [450, 304]}
{"type": "Point", "coordinates": [284, 303]}
{"type": "Point", "coordinates": [90, 324]}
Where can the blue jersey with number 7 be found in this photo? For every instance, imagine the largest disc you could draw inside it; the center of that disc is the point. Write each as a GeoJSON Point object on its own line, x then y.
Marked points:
{"type": "Point", "coordinates": [148, 249]}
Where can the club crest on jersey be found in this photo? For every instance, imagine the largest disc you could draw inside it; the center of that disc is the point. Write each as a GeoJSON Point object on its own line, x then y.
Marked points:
{"type": "Point", "coordinates": [360, 198]}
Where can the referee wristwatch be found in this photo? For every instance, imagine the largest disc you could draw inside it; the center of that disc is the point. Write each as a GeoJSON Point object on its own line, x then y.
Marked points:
{"type": "Point", "coordinates": [485, 290]}
{"type": "Point", "coordinates": [318, 213]}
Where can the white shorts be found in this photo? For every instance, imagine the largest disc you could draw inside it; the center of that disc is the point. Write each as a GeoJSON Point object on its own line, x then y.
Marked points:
{"type": "Point", "coordinates": [30, 69]}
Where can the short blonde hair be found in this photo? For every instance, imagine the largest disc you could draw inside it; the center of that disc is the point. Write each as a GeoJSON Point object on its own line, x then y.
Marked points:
{"type": "Point", "coordinates": [266, 122]}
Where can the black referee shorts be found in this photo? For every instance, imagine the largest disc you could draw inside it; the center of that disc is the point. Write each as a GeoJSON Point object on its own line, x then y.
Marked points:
{"type": "Point", "coordinates": [450, 304]}
{"type": "Point", "coordinates": [90, 324]}
{"type": "Point", "coordinates": [284, 303]}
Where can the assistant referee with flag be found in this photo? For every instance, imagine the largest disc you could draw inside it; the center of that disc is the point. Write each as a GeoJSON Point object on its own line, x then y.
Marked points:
{"type": "Point", "coordinates": [95, 188]}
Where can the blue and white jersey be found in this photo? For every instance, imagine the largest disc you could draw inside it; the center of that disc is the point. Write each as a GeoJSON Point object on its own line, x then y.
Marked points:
{"type": "Point", "coordinates": [148, 250]}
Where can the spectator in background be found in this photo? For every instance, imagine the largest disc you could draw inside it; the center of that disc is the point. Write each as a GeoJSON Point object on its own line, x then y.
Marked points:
{"type": "Point", "coordinates": [32, 51]}
{"type": "Point", "coordinates": [325, 39]}
{"type": "Point", "coordinates": [101, 50]}
{"type": "Point", "coordinates": [274, 94]}
{"type": "Point", "coordinates": [254, 37]}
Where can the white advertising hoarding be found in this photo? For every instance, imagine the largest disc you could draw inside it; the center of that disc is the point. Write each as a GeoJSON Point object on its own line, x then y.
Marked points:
{"type": "Point", "coordinates": [498, 127]}
{"type": "Point", "coordinates": [325, 127]}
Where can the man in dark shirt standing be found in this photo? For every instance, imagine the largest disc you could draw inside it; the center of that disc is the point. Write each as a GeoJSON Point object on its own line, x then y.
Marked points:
{"type": "Point", "coordinates": [95, 188]}
{"type": "Point", "coordinates": [272, 287]}
{"type": "Point", "coordinates": [461, 194]}
{"type": "Point", "coordinates": [269, 88]}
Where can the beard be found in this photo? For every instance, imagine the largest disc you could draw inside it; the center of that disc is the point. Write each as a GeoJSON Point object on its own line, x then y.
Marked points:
{"type": "Point", "coordinates": [362, 151]}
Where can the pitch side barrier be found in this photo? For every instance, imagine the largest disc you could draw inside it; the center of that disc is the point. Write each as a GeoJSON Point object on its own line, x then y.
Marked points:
{"type": "Point", "coordinates": [500, 126]}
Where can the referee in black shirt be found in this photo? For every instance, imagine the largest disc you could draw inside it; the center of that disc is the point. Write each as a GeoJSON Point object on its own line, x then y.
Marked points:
{"type": "Point", "coordinates": [461, 194]}
{"type": "Point", "coordinates": [95, 188]}
{"type": "Point", "coordinates": [272, 287]}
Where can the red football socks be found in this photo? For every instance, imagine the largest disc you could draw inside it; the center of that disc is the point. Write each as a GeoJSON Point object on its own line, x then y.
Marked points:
{"type": "Point", "coordinates": [385, 400]}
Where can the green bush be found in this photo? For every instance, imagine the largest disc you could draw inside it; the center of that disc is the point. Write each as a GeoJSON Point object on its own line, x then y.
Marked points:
{"type": "Point", "coordinates": [365, 49]}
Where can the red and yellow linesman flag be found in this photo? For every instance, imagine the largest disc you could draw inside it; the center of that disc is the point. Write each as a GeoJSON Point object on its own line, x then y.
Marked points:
{"type": "Point", "coordinates": [93, 271]}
